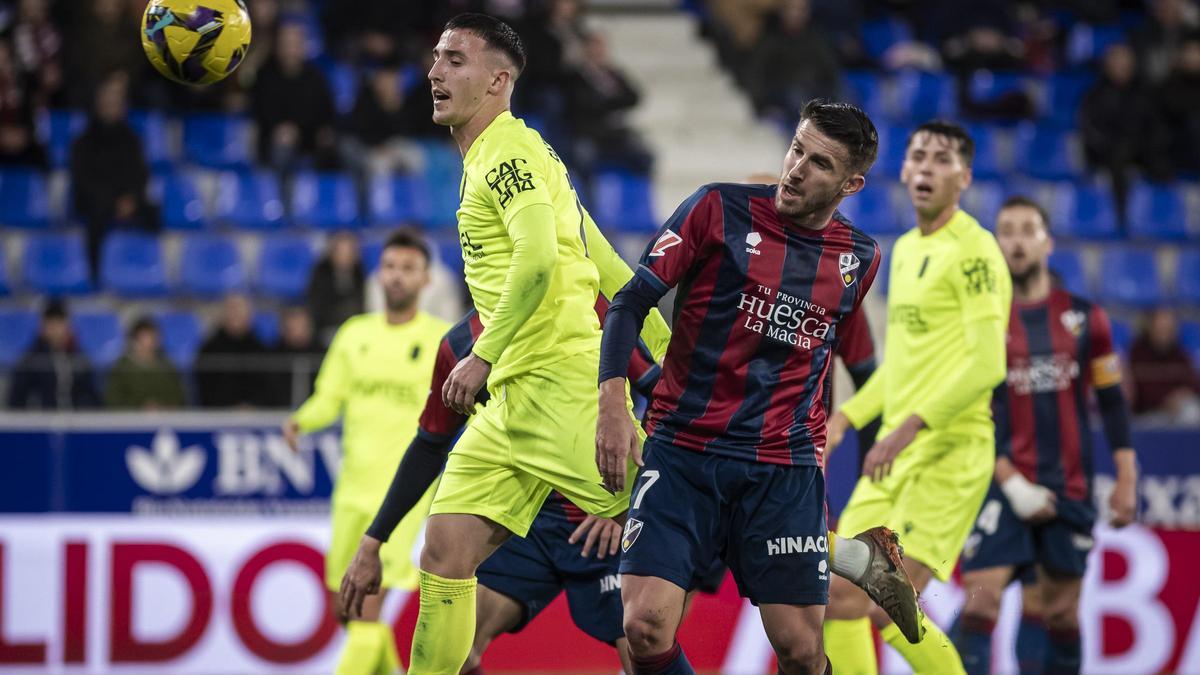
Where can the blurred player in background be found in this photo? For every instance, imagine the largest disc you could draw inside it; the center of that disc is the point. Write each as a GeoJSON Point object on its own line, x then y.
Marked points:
{"type": "Point", "coordinates": [526, 252]}
{"type": "Point", "coordinates": [1036, 523]}
{"type": "Point", "coordinates": [948, 305]}
{"type": "Point", "coordinates": [375, 377]}
{"type": "Point", "coordinates": [768, 275]}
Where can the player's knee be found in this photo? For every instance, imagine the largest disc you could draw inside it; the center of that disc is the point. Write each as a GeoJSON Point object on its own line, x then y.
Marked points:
{"type": "Point", "coordinates": [647, 633]}
{"type": "Point", "coordinates": [982, 604]}
{"type": "Point", "coordinates": [1061, 617]}
{"type": "Point", "coordinates": [439, 558]}
{"type": "Point", "coordinates": [802, 656]}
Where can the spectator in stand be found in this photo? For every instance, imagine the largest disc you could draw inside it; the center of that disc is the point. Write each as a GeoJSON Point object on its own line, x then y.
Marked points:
{"type": "Point", "coordinates": [1166, 387]}
{"type": "Point", "coordinates": [369, 32]}
{"type": "Point", "coordinates": [598, 98]}
{"type": "Point", "coordinates": [1161, 36]}
{"type": "Point", "coordinates": [792, 63]}
{"type": "Point", "coordinates": [230, 371]}
{"type": "Point", "coordinates": [374, 142]}
{"type": "Point", "coordinates": [335, 290]}
{"type": "Point", "coordinates": [53, 374]}
{"type": "Point", "coordinates": [18, 138]}
{"type": "Point", "coordinates": [143, 378]}
{"type": "Point", "coordinates": [415, 111]}
{"type": "Point", "coordinates": [293, 105]}
{"type": "Point", "coordinates": [108, 170]}
{"type": "Point", "coordinates": [1180, 105]}
{"type": "Point", "coordinates": [1120, 125]}
{"type": "Point", "coordinates": [99, 44]}
{"type": "Point", "coordinates": [298, 357]}
{"type": "Point", "coordinates": [38, 44]}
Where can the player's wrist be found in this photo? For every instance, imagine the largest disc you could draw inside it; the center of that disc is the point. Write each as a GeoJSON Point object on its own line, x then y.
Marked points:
{"type": "Point", "coordinates": [370, 544]}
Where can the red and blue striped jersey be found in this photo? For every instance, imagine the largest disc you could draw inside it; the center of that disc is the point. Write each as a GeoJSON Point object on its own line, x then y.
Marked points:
{"type": "Point", "coordinates": [440, 422]}
{"type": "Point", "coordinates": [1057, 350]}
{"type": "Point", "coordinates": [759, 310]}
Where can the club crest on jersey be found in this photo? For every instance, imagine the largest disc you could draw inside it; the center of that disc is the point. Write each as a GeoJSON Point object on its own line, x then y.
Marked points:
{"type": "Point", "coordinates": [633, 527]}
{"type": "Point", "coordinates": [666, 241]}
{"type": "Point", "coordinates": [1073, 320]}
{"type": "Point", "coordinates": [752, 241]}
{"type": "Point", "coordinates": [847, 263]}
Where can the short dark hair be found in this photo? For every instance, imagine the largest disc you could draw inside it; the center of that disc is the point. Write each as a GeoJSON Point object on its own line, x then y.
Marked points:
{"type": "Point", "coordinates": [847, 124]}
{"type": "Point", "coordinates": [494, 32]}
{"type": "Point", "coordinates": [1021, 200]}
{"type": "Point", "coordinates": [953, 131]}
{"type": "Point", "coordinates": [408, 238]}
{"type": "Point", "coordinates": [55, 308]}
{"type": "Point", "coordinates": [142, 323]}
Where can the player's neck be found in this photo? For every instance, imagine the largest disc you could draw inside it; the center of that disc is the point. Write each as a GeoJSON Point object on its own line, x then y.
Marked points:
{"type": "Point", "coordinates": [397, 317]}
{"type": "Point", "coordinates": [814, 221]}
{"type": "Point", "coordinates": [930, 223]}
{"type": "Point", "coordinates": [465, 135]}
{"type": "Point", "coordinates": [1032, 290]}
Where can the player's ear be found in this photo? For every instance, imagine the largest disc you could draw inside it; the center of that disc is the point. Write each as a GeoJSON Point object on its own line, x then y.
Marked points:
{"type": "Point", "coordinates": [854, 185]}
{"type": "Point", "coordinates": [502, 78]}
{"type": "Point", "coordinates": [964, 181]}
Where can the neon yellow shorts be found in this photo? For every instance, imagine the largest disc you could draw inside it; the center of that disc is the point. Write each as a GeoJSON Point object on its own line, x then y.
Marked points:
{"type": "Point", "coordinates": [536, 434]}
{"type": "Point", "coordinates": [397, 553]}
{"type": "Point", "coordinates": [930, 499]}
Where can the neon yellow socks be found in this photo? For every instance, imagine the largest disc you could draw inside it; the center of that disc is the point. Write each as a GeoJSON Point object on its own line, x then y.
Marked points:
{"type": "Point", "coordinates": [370, 649]}
{"type": "Point", "coordinates": [445, 625]}
{"type": "Point", "coordinates": [851, 647]}
{"type": "Point", "coordinates": [934, 654]}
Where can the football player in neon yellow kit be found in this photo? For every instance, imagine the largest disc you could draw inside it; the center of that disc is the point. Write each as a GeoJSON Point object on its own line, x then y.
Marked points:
{"type": "Point", "coordinates": [948, 307]}
{"type": "Point", "coordinates": [375, 377]}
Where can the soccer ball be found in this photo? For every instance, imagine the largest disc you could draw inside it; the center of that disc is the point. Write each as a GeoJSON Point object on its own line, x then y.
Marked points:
{"type": "Point", "coordinates": [195, 41]}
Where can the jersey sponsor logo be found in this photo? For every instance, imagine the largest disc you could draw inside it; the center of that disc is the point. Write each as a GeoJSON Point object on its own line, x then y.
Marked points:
{"type": "Point", "coordinates": [471, 250]}
{"type": "Point", "coordinates": [1106, 370]}
{"type": "Point", "coordinates": [752, 241]}
{"type": "Point", "coordinates": [847, 263]}
{"type": "Point", "coordinates": [908, 316]}
{"type": "Point", "coordinates": [979, 276]}
{"type": "Point", "coordinates": [633, 528]}
{"type": "Point", "coordinates": [790, 545]}
{"type": "Point", "coordinates": [666, 241]}
{"type": "Point", "coordinates": [789, 319]}
{"type": "Point", "coordinates": [823, 570]}
{"type": "Point", "coordinates": [1042, 374]}
{"type": "Point", "coordinates": [403, 393]}
{"type": "Point", "coordinates": [609, 583]}
{"type": "Point", "coordinates": [510, 179]}
{"type": "Point", "coordinates": [1073, 320]}
{"type": "Point", "coordinates": [1082, 542]}
{"type": "Point", "coordinates": [165, 468]}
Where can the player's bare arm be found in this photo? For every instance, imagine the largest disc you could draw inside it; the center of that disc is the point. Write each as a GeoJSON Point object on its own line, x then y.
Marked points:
{"type": "Point", "coordinates": [1123, 501]}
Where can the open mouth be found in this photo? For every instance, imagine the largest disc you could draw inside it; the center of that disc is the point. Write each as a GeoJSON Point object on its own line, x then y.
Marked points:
{"type": "Point", "coordinates": [440, 95]}
{"type": "Point", "coordinates": [789, 191]}
{"type": "Point", "coordinates": [924, 189]}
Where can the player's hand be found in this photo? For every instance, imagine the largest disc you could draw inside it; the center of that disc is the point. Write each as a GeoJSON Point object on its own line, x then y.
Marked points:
{"type": "Point", "coordinates": [1122, 503]}
{"type": "Point", "coordinates": [362, 578]}
{"type": "Point", "coordinates": [616, 436]}
{"type": "Point", "coordinates": [835, 431]}
{"type": "Point", "coordinates": [878, 462]}
{"type": "Point", "coordinates": [291, 434]}
{"type": "Point", "coordinates": [603, 533]}
{"type": "Point", "coordinates": [464, 383]}
{"type": "Point", "coordinates": [1031, 502]}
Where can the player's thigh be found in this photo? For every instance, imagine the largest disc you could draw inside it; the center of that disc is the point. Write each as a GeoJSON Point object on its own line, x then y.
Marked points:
{"type": "Point", "coordinates": [1031, 597]}
{"type": "Point", "coordinates": [495, 614]}
{"type": "Point", "coordinates": [795, 634]}
{"type": "Point", "coordinates": [456, 543]}
{"type": "Point", "coordinates": [984, 589]}
{"type": "Point", "coordinates": [347, 525]}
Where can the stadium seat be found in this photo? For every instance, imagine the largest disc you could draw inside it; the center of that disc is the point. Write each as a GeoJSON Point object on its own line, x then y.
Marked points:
{"type": "Point", "coordinates": [182, 335]}
{"type": "Point", "coordinates": [24, 201]}
{"type": "Point", "coordinates": [1189, 337]}
{"type": "Point", "coordinates": [987, 85]}
{"type": "Point", "coordinates": [879, 35]}
{"type": "Point", "coordinates": [1047, 152]}
{"type": "Point", "coordinates": [131, 265]}
{"type": "Point", "coordinates": [868, 90]}
{"type": "Point", "coordinates": [327, 201]}
{"type": "Point", "coordinates": [1083, 211]}
{"type": "Point", "coordinates": [989, 163]}
{"type": "Point", "coordinates": [1187, 277]}
{"type": "Point", "coordinates": [1067, 263]}
{"type": "Point", "coordinates": [284, 266]}
{"type": "Point", "coordinates": [5, 284]}
{"type": "Point", "coordinates": [918, 96]}
{"type": "Point", "coordinates": [443, 176]}
{"type": "Point", "coordinates": [874, 211]}
{"type": "Point", "coordinates": [151, 126]}
{"type": "Point", "coordinates": [449, 252]}
{"type": "Point", "coordinates": [343, 84]}
{"type": "Point", "coordinates": [248, 200]}
{"type": "Point", "coordinates": [266, 327]}
{"type": "Point", "coordinates": [179, 198]}
{"type": "Point", "coordinates": [217, 141]}
{"type": "Point", "coordinates": [1157, 212]}
{"type": "Point", "coordinates": [1130, 278]}
{"type": "Point", "coordinates": [55, 264]}
{"type": "Point", "coordinates": [58, 129]}
{"type": "Point", "coordinates": [371, 250]}
{"type": "Point", "coordinates": [100, 336]}
{"type": "Point", "coordinates": [211, 266]}
{"type": "Point", "coordinates": [983, 200]}
{"type": "Point", "coordinates": [622, 201]}
{"type": "Point", "coordinates": [1086, 42]}
{"type": "Point", "coordinates": [1062, 95]}
{"type": "Point", "coordinates": [397, 200]}
{"type": "Point", "coordinates": [18, 328]}
{"type": "Point", "coordinates": [893, 142]}
{"type": "Point", "coordinates": [1122, 335]}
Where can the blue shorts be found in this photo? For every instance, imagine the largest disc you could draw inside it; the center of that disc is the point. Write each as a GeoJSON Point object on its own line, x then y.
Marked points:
{"type": "Point", "coordinates": [533, 570]}
{"type": "Point", "coordinates": [767, 522]}
{"type": "Point", "coordinates": [1000, 539]}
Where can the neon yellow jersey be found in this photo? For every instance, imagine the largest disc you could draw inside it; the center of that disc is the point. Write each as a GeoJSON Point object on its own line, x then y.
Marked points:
{"type": "Point", "coordinates": [375, 377]}
{"type": "Point", "coordinates": [938, 285]}
{"type": "Point", "coordinates": [508, 168]}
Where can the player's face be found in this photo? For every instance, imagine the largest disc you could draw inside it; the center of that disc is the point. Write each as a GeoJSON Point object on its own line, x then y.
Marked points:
{"type": "Point", "coordinates": [463, 72]}
{"type": "Point", "coordinates": [403, 273]}
{"type": "Point", "coordinates": [816, 174]}
{"type": "Point", "coordinates": [1023, 239]}
{"type": "Point", "coordinates": [934, 172]}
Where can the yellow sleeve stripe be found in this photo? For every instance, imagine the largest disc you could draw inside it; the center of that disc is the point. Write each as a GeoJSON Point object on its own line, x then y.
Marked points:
{"type": "Point", "coordinates": [1106, 371]}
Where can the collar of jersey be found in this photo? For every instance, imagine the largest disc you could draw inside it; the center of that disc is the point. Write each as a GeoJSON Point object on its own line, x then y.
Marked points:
{"type": "Point", "coordinates": [471, 151]}
{"type": "Point", "coordinates": [960, 221]}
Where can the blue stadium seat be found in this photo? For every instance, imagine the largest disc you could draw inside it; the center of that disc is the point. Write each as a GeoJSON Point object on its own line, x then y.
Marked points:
{"type": "Point", "coordinates": [343, 84]}
{"type": "Point", "coordinates": [893, 142]}
{"type": "Point", "coordinates": [443, 176]}
{"type": "Point", "coordinates": [182, 335]}
{"type": "Point", "coordinates": [867, 89]}
{"type": "Point", "coordinates": [987, 85]}
{"type": "Point", "coordinates": [266, 327]}
{"type": "Point", "coordinates": [622, 201]}
{"type": "Point", "coordinates": [989, 164]}
{"type": "Point", "coordinates": [55, 264]}
{"type": "Point", "coordinates": [100, 336]}
{"type": "Point", "coordinates": [875, 211]}
{"type": "Point", "coordinates": [1130, 278]}
{"type": "Point", "coordinates": [398, 199]}
{"type": "Point", "coordinates": [1189, 337]}
{"type": "Point", "coordinates": [879, 35]}
{"type": "Point", "coordinates": [1122, 335]}
{"type": "Point", "coordinates": [449, 253]}
{"type": "Point", "coordinates": [179, 197]}
{"type": "Point", "coordinates": [1067, 263]}
{"type": "Point", "coordinates": [328, 201]}
{"type": "Point", "coordinates": [217, 141]}
{"type": "Point", "coordinates": [1063, 94]}
{"type": "Point", "coordinates": [1157, 212]}
{"type": "Point", "coordinates": [1187, 277]}
{"type": "Point", "coordinates": [983, 200]}
{"type": "Point", "coordinates": [1046, 152]}
{"type": "Point", "coordinates": [58, 129]}
{"type": "Point", "coordinates": [1083, 211]}
{"type": "Point", "coordinates": [920, 95]}
{"type": "Point", "coordinates": [18, 329]}
{"type": "Point", "coordinates": [211, 266]}
{"type": "Point", "coordinates": [131, 265]}
{"type": "Point", "coordinates": [24, 201]}
{"type": "Point", "coordinates": [151, 127]}
{"type": "Point", "coordinates": [284, 265]}
{"type": "Point", "coordinates": [5, 283]}
{"type": "Point", "coordinates": [1086, 42]}
{"type": "Point", "coordinates": [248, 200]}
{"type": "Point", "coordinates": [371, 250]}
